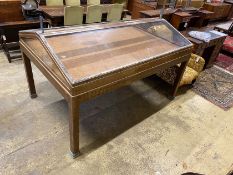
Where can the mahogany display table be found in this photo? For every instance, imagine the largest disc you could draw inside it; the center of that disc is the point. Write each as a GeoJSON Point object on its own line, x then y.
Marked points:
{"type": "Point", "coordinates": [84, 62]}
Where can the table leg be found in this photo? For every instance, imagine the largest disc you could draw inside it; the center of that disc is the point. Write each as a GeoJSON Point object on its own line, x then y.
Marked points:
{"type": "Point", "coordinates": [74, 127]}
{"type": "Point", "coordinates": [178, 78]}
{"type": "Point", "coordinates": [29, 74]}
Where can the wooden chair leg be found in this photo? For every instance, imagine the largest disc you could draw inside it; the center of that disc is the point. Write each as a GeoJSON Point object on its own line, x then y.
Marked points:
{"type": "Point", "coordinates": [178, 78]}
{"type": "Point", "coordinates": [74, 127]}
{"type": "Point", "coordinates": [29, 74]}
{"type": "Point", "coordinates": [5, 48]}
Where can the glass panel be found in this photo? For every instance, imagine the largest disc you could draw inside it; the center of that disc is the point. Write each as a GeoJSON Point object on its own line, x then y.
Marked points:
{"type": "Point", "coordinates": [92, 53]}
{"type": "Point", "coordinates": [43, 55]}
{"type": "Point", "coordinates": [88, 54]}
{"type": "Point", "coordinates": [165, 31]}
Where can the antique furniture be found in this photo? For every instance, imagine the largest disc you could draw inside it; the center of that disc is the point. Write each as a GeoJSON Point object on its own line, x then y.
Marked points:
{"type": "Point", "coordinates": [221, 10]}
{"type": "Point", "coordinates": [208, 50]}
{"type": "Point", "coordinates": [180, 20]}
{"type": "Point", "coordinates": [156, 13]}
{"type": "Point", "coordinates": [196, 17]}
{"type": "Point", "coordinates": [73, 15]}
{"type": "Point", "coordinates": [10, 50]}
{"type": "Point", "coordinates": [55, 14]}
{"type": "Point", "coordinates": [11, 22]}
{"type": "Point", "coordinates": [230, 15]}
{"type": "Point", "coordinates": [115, 12]}
{"type": "Point", "coordinates": [135, 6]}
{"type": "Point", "coordinates": [193, 3]}
{"type": "Point", "coordinates": [194, 67]}
{"type": "Point", "coordinates": [10, 10]}
{"type": "Point", "coordinates": [205, 16]}
{"type": "Point", "coordinates": [9, 36]}
{"type": "Point", "coordinates": [94, 14]}
{"type": "Point", "coordinates": [93, 60]}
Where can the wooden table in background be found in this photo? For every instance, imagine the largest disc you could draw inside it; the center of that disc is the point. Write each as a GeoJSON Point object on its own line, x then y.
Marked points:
{"type": "Point", "coordinates": [208, 50]}
{"type": "Point", "coordinates": [179, 19]}
{"type": "Point", "coordinates": [199, 18]}
{"type": "Point", "coordinates": [205, 16]}
{"type": "Point", "coordinates": [156, 13]}
{"type": "Point", "coordinates": [230, 15]}
{"type": "Point", "coordinates": [135, 6]}
{"type": "Point", "coordinates": [221, 10]}
{"type": "Point", "coordinates": [55, 14]}
{"type": "Point", "coordinates": [10, 10]}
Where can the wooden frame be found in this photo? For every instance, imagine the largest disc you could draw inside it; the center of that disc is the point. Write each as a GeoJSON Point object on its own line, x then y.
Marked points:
{"type": "Point", "coordinates": [76, 92]}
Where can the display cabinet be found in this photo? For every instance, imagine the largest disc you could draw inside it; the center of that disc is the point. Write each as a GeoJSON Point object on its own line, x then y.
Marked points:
{"type": "Point", "coordinates": [86, 61]}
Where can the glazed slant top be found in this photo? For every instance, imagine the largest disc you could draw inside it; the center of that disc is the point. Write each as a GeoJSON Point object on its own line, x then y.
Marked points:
{"type": "Point", "coordinates": [87, 52]}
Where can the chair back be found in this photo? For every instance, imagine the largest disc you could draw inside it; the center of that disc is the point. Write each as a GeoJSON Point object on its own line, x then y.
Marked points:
{"type": "Point", "coordinates": [73, 15]}
{"type": "Point", "coordinates": [124, 2]}
{"type": "Point", "coordinates": [93, 2]}
{"type": "Point", "coordinates": [54, 2]}
{"type": "Point", "coordinates": [72, 2]}
{"type": "Point", "coordinates": [94, 14]}
{"type": "Point", "coordinates": [115, 12]}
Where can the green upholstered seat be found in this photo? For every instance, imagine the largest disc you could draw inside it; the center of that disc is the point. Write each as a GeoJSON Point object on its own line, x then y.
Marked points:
{"type": "Point", "coordinates": [54, 2]}
{"type": "Point", "coordinates": [94, 14]}
{"type": "Point", "coordinates": [93, 2]}
{"type": "Point", "coordinates": [72, 2]}
{"type": "Point", "coordinates": [124, 2]}
{"type": "Point", "coordinates": [114, 13]}
{"type": "Point", "coordinates": [73, 15]}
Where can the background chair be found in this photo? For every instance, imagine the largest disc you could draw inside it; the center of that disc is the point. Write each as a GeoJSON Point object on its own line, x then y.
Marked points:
{"type": "Point", "coordinates": [193, 69]}
{"type": "Point", "coordinates": [12, 50]}
{"type": "Point", "coordinates": [73, 15]}
{"type": "Point", "coordinates": [115, 12]}
{"type": "Point", "coordinates": [93, 2]}
{"type": "Point", "coordinates": [72, 2]}
{"type": "Point", "coordinates": [54, 2]}
{"type": "Point", "coordinates": [94, 14]}
{"type": "Point", "coordinates": [124, 2]}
